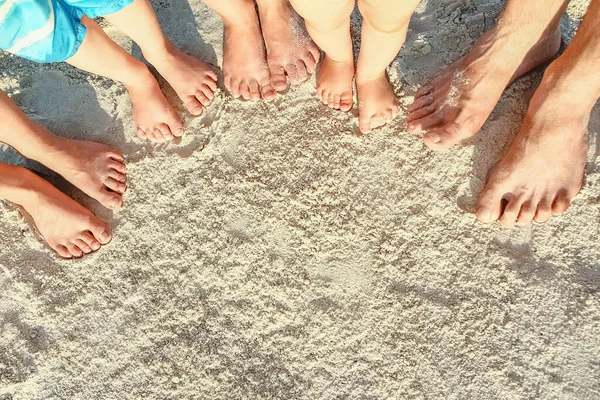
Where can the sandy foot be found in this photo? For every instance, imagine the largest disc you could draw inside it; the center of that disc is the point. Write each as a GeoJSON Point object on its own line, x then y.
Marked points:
{"type": "Point", "coordinates": [334, 83]}
{"type": "Point", "coordinates": [377, 103]}
{"type": "Point", "coordinates": [154, 116]}
{"type": "Point", "coordinates": [456, 104]}
{"type": "Point", "coordinates": [543, 169]}
{"type": "Point", "coordinates": [290, 50]}
{"type": "Point", "coordinates": [193, 80]}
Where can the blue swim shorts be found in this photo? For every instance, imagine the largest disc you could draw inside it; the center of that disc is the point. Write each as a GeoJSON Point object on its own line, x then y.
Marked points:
{"type": "Point", "coordinates": [49, 30]}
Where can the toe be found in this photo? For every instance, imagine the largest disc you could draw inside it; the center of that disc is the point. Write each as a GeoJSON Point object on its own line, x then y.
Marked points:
{"type": "Point", "coordinates": [421, 102]}
{"type": "Point", "coordinates": [444, 137]}
{"type": "Point", "coordinates": [511, 212]}
{"type": "Point", "coordinates": [194, 106]}
{"type": "Point", "coordinates": [115, 186]}
{"type": "Point", "coordinates": [201, 97]}
{"type": "Point", "coordinates": [416, 118]}
{"type": "Point", "coordinates": [346, 101]}
{"type": "Point", "coordinates": [117, 176]}
{"type": "Point", "coordinates": [165, 131]}
{"type": "Point", "coordinates": [544, 211]}
{"type": "Point", "coordinates": [117, 166]}
{"type": "Point", "coordinates": [278, 79]}
{"type": "Point", "coordinates": [83, 246]}
{"type": "Point", "coordinates": [90, 241]}
{"type": "Point", "coordinates": [301, 71]}
{"type": "Point", "coordinates": [527, 213]}
{"type": "Point", "coordinates": [101, 233]}
{"type": "Point", "coordinates": [212, 75]}
{"type": "Point", "coordinates": [116, 155]}
{"type": "Point", "coordinates": [337, 101]}
{"type": "Point", "coordinates": [227, 83]}
{"type": "Point", "coordinates": [141, 134]}
{"type": "Point", "coordinates": [561, 204]}
{"type": "Point", "coordinates": [74, 250]}
{"type": "Point", "coordinates": [159, 135]}
{"type": "Point", "coordinates": [63, 251]}
{"type": "Point", "coordinates": [245, 90]}
{"type": "Point", "coordinates": [110, 199]}
{"type": "Point", "coordinates": [316, 54]}
{"type": "Point", "coordinates": [292, 73]}
{"type": "Point", "coordinates": [489, 205]}
{"type": "Point", "coordinates": [254, 90]}
{"type": "Point", "coordinates": [309, 62]}
{"type": "Point", "coordinates": [235, 87]}
{"type": "Point", "coordinates": [424, 91]}
{"type": "Point", "coordinates": [208, 91]}
{"type": "Point", "coordinates": [364, 124]}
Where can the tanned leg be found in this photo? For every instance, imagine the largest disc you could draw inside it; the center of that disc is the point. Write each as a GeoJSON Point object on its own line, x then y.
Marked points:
{"type": "Point", "coordinates": [543, 169]}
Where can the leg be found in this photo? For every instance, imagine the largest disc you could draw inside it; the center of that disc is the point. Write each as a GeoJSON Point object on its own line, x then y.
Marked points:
{"type": "Point", "coordinates": [69, 229]}
{"type": "Point", "coordinates": [383, 33]}
{"type": "Point", "coordinates": [193, 81]}
{"type": "Point", "coordinates": [455, 105]}
{"type": "Point", "coordinates": [152, 112]}
{"type": "Point", "coordinates": [94, 168]}
{"type": "Point", "coordinates": [543, 169]}
{"type": "Point", "coordinates": [328, 23]}
{"type": "Point", "coordinates": [245, 69]}
{"type": "Point", "coordinates": [289, 48]}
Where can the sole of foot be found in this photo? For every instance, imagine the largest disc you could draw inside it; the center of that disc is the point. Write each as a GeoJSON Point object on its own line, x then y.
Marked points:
{"type": "Point", "coordinates": [456, 104]}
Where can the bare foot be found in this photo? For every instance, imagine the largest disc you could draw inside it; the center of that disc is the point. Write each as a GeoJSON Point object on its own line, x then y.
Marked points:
{"type": "Point", "coordinates": [193, 81]}
{"type": "Point", "coordinates": [543, 169]}
{"type": "Point", "coordinates": [69, 228]}
{"type": "Point", "coordinates": [334, 83]}
{"type": "Point", "coordinates": [154, 116]}
{"type": "Point", "coordinates": [98, 170]}
{"type": "Point", "coordinates": [456, 104]}
{"type": "Point", "coordinates": [245, 70]}
{"type": "Point", "coordinates": [377, 103]}
{"type": "Point", "coordinates": [290, 50]}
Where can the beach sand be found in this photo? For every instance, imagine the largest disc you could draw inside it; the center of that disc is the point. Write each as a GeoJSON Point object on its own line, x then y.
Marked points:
{"type": "Point", "coordinates": [275, 252]}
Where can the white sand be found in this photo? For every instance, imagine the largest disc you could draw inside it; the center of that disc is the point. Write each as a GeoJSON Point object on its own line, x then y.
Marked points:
{"type": "Point", "coordinates": [276, 253]}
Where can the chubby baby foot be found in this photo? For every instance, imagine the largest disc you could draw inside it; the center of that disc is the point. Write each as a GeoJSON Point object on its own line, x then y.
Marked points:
{"type": "Point", "coordinates": [377, 103]}
{"type": "Point", "coordinates": [334, 83]}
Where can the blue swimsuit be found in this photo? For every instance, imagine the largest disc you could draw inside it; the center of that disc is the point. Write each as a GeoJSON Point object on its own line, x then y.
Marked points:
{"type": "Point", "coordinates": [48, 30]}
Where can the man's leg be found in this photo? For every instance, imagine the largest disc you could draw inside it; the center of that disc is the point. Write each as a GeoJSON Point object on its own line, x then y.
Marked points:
{"type": "Point", "coordinates": [69, 229]}
{"type": "Point", "coordinates": [328, 23]}
{"type": "Point", "coordinates": [290, 51]}
{"type": "Point", "coordinates": [94, 168]}
{"type": "Point", "coordinates": [455, 105]}
{"type": "Point", "coordinates": [193, 81]}
{"type": "Point", "coordinates": [154, 116]}
{"type": "Point", "coordinates": [543, 169]}
{"type": "Point", "coordinates": [385, 23]}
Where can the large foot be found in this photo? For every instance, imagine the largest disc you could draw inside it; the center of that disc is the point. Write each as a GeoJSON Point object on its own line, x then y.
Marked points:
{"type": "Point", "coordinates": [334, 83]}
{"type": "Point", "coordinates": [456, 104]}
{"type": "Point", "coordinates": [98, 170]}
{"type": "Point", "coordinates": [155, 118]}
{"type": "Point", "coordinates": [69, 228]}
{"type": "Point", "coordinates": [193, 81]}
{"type": "Point", "coordinates": [377, 103]}
{"type": "Point", "coordinates": [290, 50]}
{"type": "Point", "coordinates": [543, 169]}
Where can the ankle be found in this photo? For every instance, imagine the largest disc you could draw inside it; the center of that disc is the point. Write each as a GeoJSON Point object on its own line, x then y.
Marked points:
{"type": "Point", "coordinates": [17, 185]}
{"type": "Point", "coordinates": [367, 74]}
{"type": "Point", "coordinates": [243, 16]}
{"type": "Point", "coordinates": [575, 87]}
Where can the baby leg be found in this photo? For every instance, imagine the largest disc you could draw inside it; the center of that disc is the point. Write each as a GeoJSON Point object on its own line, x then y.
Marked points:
{"type": "Point", "coordinates": [328, 23]}
{"type": "Point", "coordinates": [385, 23]}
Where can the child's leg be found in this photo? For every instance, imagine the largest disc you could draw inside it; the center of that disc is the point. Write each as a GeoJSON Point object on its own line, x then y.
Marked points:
{"type": "Point", "coordinates": [385, 23]}
{"type": "Point", "coordinates": [328, 23]}
{"type": "Point", "coordinates": [193, 80]}
{"type": "Point", "coordinates": [152, 112]}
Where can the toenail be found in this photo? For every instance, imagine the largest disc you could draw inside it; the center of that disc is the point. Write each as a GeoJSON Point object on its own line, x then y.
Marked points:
{"type": "Point", "coordinates": [104, 235]}
{"type": "Point", "coordinates": [179, 131]}
{"type": "Point", "coordinates": [434, 137]}
{"type": "Point", "coordinates": [95, 246]}
{"type": "Point", "coordinates": [411, 126]}
{"type": "Point", "coordinates": [114, 202]}
{"type": "Point", "coordinates": [485, 215]}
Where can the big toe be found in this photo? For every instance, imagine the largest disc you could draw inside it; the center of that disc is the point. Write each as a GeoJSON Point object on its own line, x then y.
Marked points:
{"type": "Point", "coordinates": [489, 205]}
{"type": "Point", "coordinates": [101, 233]}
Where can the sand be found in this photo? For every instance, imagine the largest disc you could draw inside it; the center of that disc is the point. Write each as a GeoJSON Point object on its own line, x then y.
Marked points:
{"type": "Point", "coordinates": [277, 253]}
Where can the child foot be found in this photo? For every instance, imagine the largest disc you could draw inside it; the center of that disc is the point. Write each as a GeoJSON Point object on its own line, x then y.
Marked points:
{"type": "Point", "coordinates": [377, 103]}
{"type": "Point", "coordinates": [455, 105]}
{"type": "Point", "coordinates": [96, 169]}
{"type": "Point", "coordinates": [245, 71]}
{"type": "Point", "coordinates": [290, 49]}
{"type": "Point", "coordinates": [69, 228]}
{"type": "Point", "coordinates": [334, 83]}
{"type": "Point", "coordinates": [193, 81]}
{"type": "Point", "coordinates": [154, 116]}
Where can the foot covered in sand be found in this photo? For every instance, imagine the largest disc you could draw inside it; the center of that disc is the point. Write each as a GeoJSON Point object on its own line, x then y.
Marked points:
{"type": "Point", "coordinates": [334, 83]}
{"type": "Point", "coordinates": [456, 104]}
{"type": "Point", "coordinates": [543, 169]}
{"type": "Point", "coordinates": [377, 103]}
{"type": "Point", "coordinates": [290, 50]}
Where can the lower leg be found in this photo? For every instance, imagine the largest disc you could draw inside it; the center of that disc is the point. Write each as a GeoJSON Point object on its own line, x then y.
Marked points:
{"type": "Point", "coordinates": [457, 102]}
{"type": "Point", "coordinates": [193, 80]}
{"type": "Point", "coordinates": [94, 168]}
{"type": "Point", "coordinates": [383, 33]}
{"type": "Point", "coordinates": [543, 169]}
{"type": "Point", "coordinates": [328, 23]}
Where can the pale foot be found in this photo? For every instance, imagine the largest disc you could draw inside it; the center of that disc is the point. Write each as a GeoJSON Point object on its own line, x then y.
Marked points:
{"type": "Point", "coordinates": [543, 169]}
{"type": "Point", "coordinates": [456, 104]}
{"type": "Point", "coordinates": [245, 70]}
{"type": "Point", "coordinates": [154, 116]}
{"type": "Point", "coordinates": [290, 50]}
{"type": "Point", "coordinates": [377, 103]}
{"type": "Point", "coordinates": [334, 83]}
{"type": "Point", "coordinates": [193, 80]}
{"type": "Point", "coordinates": [69, 228]}
{"type": "Point", "coordinates": [98, 170]}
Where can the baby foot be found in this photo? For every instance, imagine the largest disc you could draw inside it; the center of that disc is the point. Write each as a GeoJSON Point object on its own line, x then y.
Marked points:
{"type": "Point", "coordinates": [334, 83]}
{"type": "Point", "coordinates": [377, 103]}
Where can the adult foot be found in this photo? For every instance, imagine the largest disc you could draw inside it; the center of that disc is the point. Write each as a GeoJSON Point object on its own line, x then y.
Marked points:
{"type": "Point", "coordinates": [290, 50]}
{"type": "Point", "coordinates": [69, 228]}
{"type": "Point", "coordinates": [193, 81]}
{"type": "Point", "coordinates": [245, 70]}
{"type": "Point", "coordinates": [154, 116]}
{"type": "Point", "coordinates": [456, 104]}
{"type": "Point", "coordinates": [377, 103]}
{"type": "Point", "coordinates": [543, 169]}
{"type": "Point", "coordinates": [98, 170]}
{"type": "Point", "coordinates": [334, 83]}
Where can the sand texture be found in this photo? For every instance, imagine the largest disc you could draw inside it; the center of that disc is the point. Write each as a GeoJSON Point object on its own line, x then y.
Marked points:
{"type": "Point", "coordinates": [275, 253]}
